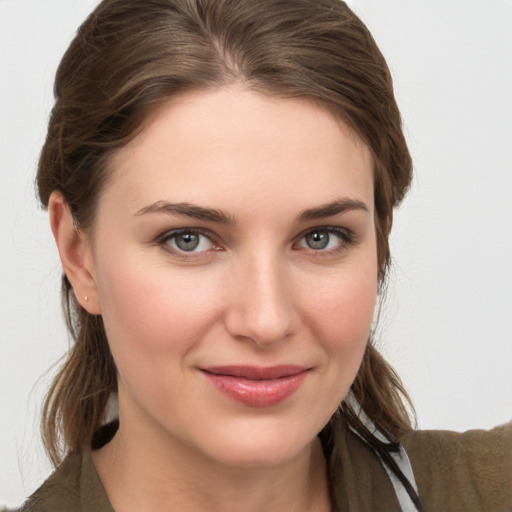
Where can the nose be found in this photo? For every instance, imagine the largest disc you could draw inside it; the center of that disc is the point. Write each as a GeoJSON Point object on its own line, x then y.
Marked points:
{"type": "Point", "coordinates": [261, 303]}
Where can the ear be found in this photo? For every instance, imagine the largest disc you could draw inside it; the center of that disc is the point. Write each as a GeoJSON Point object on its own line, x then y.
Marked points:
{"type": "Point", "coordinates": [75, 254]}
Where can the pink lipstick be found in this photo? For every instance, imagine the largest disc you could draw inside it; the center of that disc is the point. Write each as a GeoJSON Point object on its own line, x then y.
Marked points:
{"type": "Point", "coordinates": [257, 386]}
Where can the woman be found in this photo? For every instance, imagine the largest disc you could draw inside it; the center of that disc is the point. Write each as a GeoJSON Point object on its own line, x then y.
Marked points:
{"type": "Point", "coordinates": [220, 178]}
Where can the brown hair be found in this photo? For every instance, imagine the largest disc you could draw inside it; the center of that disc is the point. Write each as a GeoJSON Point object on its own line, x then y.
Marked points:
{"type": "Point", "coordinates": [130, 56]}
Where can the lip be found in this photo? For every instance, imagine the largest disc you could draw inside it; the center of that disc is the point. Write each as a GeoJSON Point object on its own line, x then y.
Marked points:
{"type": "Point", "coordinates": [256, 386]}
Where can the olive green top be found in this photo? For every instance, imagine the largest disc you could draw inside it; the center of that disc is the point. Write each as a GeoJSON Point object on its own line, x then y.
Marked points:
{"type": "Point", "coordinates": [455, 472]}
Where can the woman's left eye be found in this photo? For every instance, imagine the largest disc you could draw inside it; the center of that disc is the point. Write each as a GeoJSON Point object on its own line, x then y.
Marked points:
{"type": "Point", "coordinates": [325, 239]}
{"type": "Point", "coordinates": [186, 241]}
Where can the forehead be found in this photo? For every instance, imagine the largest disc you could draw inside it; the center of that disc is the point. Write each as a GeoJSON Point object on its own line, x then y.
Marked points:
{"type": "Point", "coordinates": [237, 147]}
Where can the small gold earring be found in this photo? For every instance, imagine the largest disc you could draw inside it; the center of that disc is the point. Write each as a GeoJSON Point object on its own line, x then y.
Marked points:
{"type": "Point", "coordinates": [86, 298]}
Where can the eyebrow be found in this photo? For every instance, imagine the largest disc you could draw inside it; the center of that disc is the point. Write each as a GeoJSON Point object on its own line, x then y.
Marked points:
{"type": "Point", "coordinates": [333, 208]}
{"type": "Point", "coordinates": [188, 210]}
{"type": "Point", "coordinates": [213, 215]}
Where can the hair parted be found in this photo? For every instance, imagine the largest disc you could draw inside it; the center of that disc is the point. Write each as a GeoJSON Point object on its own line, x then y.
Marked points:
{"type": "Point", "coordinates": [129, 57]}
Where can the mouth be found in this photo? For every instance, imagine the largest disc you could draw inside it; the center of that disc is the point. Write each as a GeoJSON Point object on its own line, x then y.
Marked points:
{"type": "Point", "coordinates": [256, 386]}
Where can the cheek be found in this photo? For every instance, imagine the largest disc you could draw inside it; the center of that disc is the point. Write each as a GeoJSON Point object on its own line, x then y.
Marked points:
{"type": "Point", "coordinates": [346, 326]}
{"type": "Point", "coordinates": [154, 318]}
{"type": "Point", "coordinates": [342, 305]}
{"type": "Point", "coordinates": [340, 315]}
{"type": "Point", "coordinates": [150, 308]}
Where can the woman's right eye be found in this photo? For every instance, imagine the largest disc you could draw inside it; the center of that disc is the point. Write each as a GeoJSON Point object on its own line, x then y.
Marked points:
{"type": "Point", "coordinates": [186, 241]}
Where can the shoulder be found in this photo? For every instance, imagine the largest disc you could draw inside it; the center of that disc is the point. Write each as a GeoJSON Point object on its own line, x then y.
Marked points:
{"type": "Point", "coordinates": [357, 479]}
{"type": "Point", "coordinates": [60, 491]}
{"type": "Point", "coordinates": [463, 471]}
{"type": "Point", "coordinates": [73, 486]}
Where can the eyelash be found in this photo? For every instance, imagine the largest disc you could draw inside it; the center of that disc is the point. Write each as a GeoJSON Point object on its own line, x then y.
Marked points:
{"type": "Point", "coordinates": [164, 239]}
{"type": "Point", "coordinates": [347, 238]}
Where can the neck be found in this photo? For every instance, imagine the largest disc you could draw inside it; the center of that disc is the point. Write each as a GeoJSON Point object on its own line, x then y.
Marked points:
{"type": "Point", "coordinates": [143, 473]}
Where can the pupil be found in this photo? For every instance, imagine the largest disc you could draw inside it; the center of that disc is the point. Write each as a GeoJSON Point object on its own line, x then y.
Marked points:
{"type": "Point", "coordinates": [317, 240]}
{"type": "Point", "coordinates": [187, 241]}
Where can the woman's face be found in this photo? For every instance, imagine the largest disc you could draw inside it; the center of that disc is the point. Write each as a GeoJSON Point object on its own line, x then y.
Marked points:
{"type": "Point", "coordinates": [235, 262]}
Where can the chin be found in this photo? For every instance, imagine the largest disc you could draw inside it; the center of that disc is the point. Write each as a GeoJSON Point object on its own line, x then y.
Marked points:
{"type": "Point", "coordinates": [258, 447]}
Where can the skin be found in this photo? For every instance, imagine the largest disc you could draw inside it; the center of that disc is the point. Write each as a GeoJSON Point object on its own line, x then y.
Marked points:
{"type": "Point", "coordinates": [253, 292]}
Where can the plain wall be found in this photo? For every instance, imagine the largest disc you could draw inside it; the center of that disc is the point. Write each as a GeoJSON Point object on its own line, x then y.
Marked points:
{"type": "Point", "coordinates": [447, 321]}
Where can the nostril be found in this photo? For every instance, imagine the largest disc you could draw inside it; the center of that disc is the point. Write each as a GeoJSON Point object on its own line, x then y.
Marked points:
{"type": "Point", "coordinates": [260, 306]}
{"type": "Point", "coordinates": [263, 325]}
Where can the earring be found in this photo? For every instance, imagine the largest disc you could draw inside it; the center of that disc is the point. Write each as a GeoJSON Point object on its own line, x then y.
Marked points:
{"type": "Point", "coordinates": [86, 298]}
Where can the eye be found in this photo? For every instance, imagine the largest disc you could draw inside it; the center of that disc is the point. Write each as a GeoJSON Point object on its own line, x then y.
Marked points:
{"type": "Point", "coordinates": [186, 241]}
{"type": "Point", "coordinates": [325, 239]}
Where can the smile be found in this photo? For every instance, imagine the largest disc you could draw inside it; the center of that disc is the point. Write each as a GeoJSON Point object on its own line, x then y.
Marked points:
{"type": "Point", "coordinates": [255, 386]}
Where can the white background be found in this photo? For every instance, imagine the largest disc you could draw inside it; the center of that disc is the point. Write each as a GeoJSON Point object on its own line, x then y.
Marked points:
{"type": "Point", "coordinates": [447, 326]}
